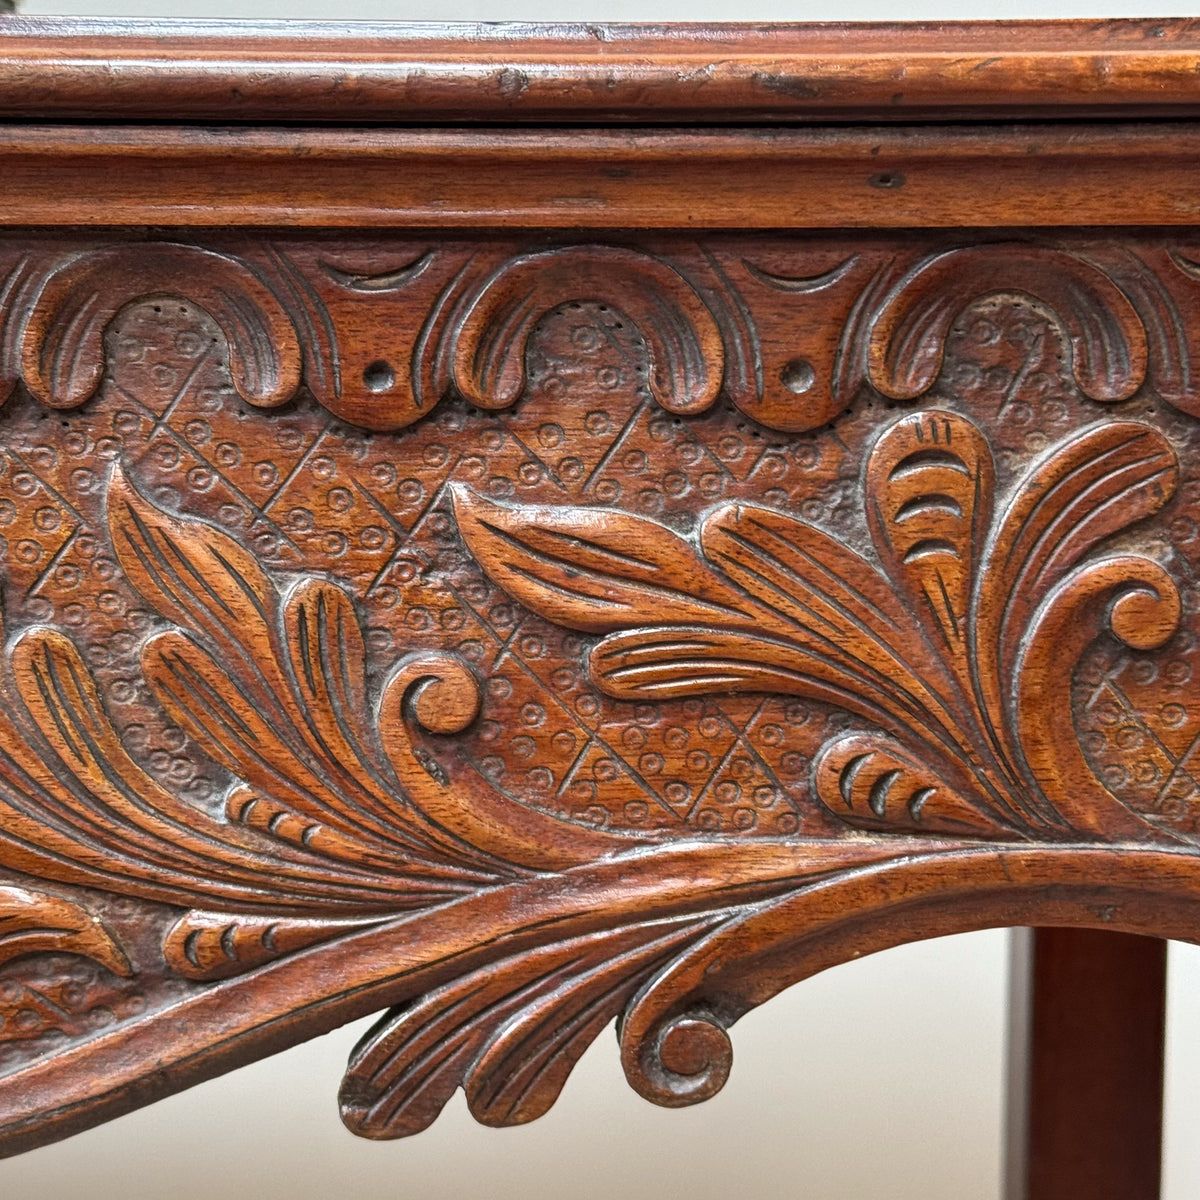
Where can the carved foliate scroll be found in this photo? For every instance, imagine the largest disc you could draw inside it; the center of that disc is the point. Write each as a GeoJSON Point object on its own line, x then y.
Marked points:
{"type": "Point", "coordinates": [520, 636]}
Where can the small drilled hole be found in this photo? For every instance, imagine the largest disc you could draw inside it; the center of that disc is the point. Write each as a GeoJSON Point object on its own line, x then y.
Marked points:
{"type": "Point", "coordinates": [379, 376]}
{"type": "Point", "coordinates": [887, 179]}
{"type": "Point", "coordinates": [798, 376]}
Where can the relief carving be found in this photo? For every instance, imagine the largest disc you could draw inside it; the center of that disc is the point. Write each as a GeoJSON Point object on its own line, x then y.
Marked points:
{"type": "Point", "coordinates": [954, 645]}
{"type": "Point", "coordinates": [789, 334]}
{"type": "Point", "coordinates": [585, 696]}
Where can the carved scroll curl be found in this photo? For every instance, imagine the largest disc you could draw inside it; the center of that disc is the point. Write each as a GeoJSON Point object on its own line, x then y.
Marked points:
{"type": "Point", "coordinates": [1104, 331]}
{"type": "Point", "coordinates": [684, 343]}
{"type": "Point", "coordinates": [355, 853]}
{"type": "Point", "coordinates": [381, 342]}
{"type": "Point", "coordinates": [62, 356]}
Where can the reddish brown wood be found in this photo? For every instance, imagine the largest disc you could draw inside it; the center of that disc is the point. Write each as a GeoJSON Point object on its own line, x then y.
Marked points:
{"type": "Point", "coordinates": [1001, 176]}
{"type": "Point", "coordinates": [1086, 1065]}
{"type": "Point", "coordinates": [504, 72]}
{"type": "Point", "coordinates": [579, 574]}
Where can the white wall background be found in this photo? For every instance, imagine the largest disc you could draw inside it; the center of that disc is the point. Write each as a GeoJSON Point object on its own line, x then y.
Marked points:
{"type": "Point", "coordinates": [880, 1079]}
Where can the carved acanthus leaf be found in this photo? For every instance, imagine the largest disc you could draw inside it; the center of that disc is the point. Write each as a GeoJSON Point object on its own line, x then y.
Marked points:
{"type": "Point", "coordinates": [360, 858]}
{"type": "Point", "coordinates": [877, 783]}
{"type": "Point", "coordinates": [930, 487]}
{"type": "Point", "coordinates": [596, 570]}
{"type": "Point", "coordinates": [337, 817]}
{"type": "Point", "coordinates": [509, 1034]}
{"type": "Point", "coordinates": [208, 946]}
{"type": "Point", "coordinates": [924, 647]}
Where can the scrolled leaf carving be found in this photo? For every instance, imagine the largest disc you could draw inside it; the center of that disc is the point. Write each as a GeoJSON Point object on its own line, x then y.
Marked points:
{"type": "Point", "coordinates": [925, 646]}
{"type": "Point", "coordinates": [338, 816]}
{"type": "Point", "coordinates": [610, 705]}
{"type": "Point", "coordinates": [509, 1034]}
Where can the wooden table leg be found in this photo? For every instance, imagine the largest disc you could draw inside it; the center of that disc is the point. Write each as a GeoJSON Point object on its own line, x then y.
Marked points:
{"type": "Point", "coordinates": [1085, 1072]}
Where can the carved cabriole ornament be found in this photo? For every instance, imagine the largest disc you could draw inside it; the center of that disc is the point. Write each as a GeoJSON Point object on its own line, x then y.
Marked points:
{"type": "Point", "coordinates": [519, 629]}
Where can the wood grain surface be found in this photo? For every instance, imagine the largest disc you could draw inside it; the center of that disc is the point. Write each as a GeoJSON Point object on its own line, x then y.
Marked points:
{"type": "Point", "coordinates": [718, 73]}
{"type": "Point", "coordinates": [515, 579]}
{"type": "Point", "coordinates": [973, 177]}
{"type": "Point", "coordinates": [526, 634]}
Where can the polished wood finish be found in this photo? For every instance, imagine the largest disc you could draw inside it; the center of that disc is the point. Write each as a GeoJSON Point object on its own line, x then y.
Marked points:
{"type": "Point", "coordinates": [311, 71]}
{"type": "Point", "coordinates": [997, 176]}
{"type": "Point", "coordinates": [520, 578]}
{"type": "Point", "coordinates": [1086, 1065]}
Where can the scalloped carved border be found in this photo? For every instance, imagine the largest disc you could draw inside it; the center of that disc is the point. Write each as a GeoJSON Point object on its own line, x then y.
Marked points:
{"type": "Point", "coordinates": [789, 332]}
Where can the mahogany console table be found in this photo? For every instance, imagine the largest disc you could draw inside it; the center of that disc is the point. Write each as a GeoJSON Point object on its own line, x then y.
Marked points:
{"type": "Point", "coordinates": [522, 526]}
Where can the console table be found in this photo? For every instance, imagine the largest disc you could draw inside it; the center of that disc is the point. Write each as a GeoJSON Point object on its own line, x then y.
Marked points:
{"type": "Point", "coordinates": [512, 527]}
